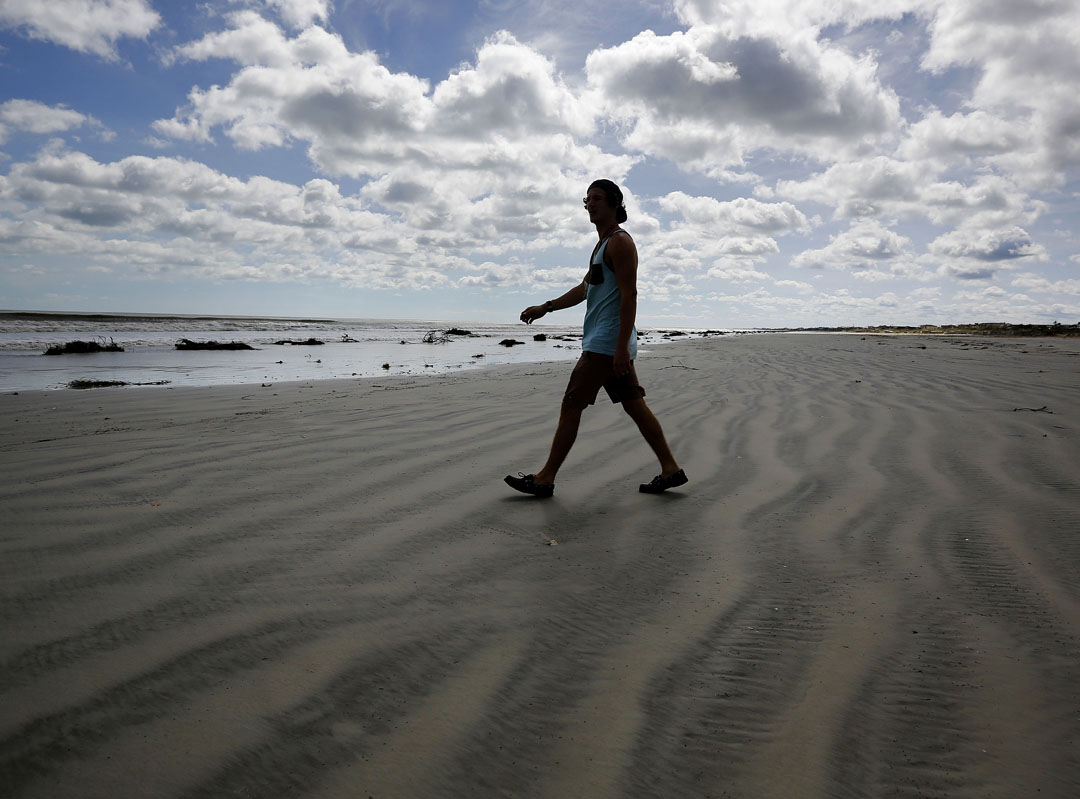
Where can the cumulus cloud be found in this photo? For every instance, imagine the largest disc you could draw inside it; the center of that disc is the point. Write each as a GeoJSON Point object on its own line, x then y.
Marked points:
{"type": "Point", "coordinates": [90, 26]}
{"type": "Point", "coordinates": [867, 249]}
{"type": "Point", "coordinates": [490, 275]}
{"type": "Point", "coordinates": [1000, 245]}
{"type": "Point", "coordinates": [962, 136]}
{"type": "Point", "coordinates": [471, 179]}
{"type": "Point", "coordinates": [1029, 61]}
{"type": "Point", "coordinates": [158, 215]}
{"type": "Point", "coordinates": [980, 254]}
{"type": "Point", "coordinates": [361, 119]}
{"type": "Point", "coordinates": [725, 240]}
{"type": "Point", "coordinates": [712, 217]}
{"type": "Point", "coordinates": [301, 13]}
{"type": "Point", "coordinates": [861, 188]}
{"type": "Point", "coordinates": [790, 17]}
{"type": "Point", "coordinates": [491, 153]}
{"type": "Point", "coordinates": [704, 98]}
{"type": "Point", "coordinates": [1043, 285]}
{"type": "Point", "coordinates": [166, 213]}
{"type": "Point", "coordinates": [31, 116]}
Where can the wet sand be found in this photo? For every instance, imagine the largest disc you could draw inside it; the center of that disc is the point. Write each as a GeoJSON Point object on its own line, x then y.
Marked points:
{"type": "Point", "coordinates": [870, 587]}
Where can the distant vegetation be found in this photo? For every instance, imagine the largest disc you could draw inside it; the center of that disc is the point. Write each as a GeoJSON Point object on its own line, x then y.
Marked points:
{"type": "Point", "coordinates": [83, 347]}
{"type": "Point", "coordinates": [977, 329]}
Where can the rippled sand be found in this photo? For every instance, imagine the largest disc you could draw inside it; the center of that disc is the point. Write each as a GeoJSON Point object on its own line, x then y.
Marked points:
{"type": "Point", "coordinates": [870, 587]}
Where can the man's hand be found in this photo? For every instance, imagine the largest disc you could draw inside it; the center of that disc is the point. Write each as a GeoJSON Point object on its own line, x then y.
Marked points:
{"type": "Point", "coordinates": [621, 363]}
{"type": "Point", "coordinates": [532, 313]}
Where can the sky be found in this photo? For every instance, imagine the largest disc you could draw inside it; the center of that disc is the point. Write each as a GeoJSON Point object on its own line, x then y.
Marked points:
{"type": "Point", "coordinates": [786, 163]}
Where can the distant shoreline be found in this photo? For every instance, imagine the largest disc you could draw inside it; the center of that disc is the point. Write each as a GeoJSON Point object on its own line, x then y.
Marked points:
{"type": "Point", "coordinates": [976, 329]}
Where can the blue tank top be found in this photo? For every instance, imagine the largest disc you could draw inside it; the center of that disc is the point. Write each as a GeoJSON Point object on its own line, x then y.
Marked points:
{"type": "Point", "coordinates": [601, 334]}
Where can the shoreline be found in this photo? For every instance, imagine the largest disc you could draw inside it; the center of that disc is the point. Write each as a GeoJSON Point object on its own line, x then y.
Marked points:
{"type": "Point", "coordinates": [572, 353]}
{"type": "Point", "coordinates": [23, 370]}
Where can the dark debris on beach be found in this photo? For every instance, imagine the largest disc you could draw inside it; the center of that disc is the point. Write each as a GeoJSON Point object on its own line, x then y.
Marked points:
{"type": "Point", "coordinates": [83, 347]}
{"type": "Point", "coordinates": [85, 384]}
{"type": "Point", "coordinates": [188, 344]}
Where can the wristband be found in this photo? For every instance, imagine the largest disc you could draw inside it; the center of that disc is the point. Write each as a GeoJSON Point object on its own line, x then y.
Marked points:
{"type": "Point", "coordinates": [549, 306]}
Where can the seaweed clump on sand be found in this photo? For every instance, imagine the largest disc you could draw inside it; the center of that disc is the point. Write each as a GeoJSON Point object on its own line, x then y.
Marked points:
{"type": "Point", "coordinates": [84, 384]}
{"type": "Point", "coordinates": [188, 344]}
{"type": "Point", "coordinates": [83, 347]}
{"type": "Point", "coordinates": [311, 342]}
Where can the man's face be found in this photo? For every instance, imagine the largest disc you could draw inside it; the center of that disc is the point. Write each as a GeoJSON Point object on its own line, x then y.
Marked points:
{"type": "Point", "coordinates": [597, 205]}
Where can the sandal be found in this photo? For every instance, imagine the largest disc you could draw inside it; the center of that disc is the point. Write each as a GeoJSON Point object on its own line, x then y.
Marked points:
{"type": "Point", "coordinates": [660, 483]}
{"type": "Point", "coordinates": [526, 484]}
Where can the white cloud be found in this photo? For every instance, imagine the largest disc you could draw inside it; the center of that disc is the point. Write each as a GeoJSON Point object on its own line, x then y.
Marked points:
{"type": "Point", "coordinates": [34, 117]}
{"type": "Point", "coordinates": [717, 239]}
{"type": "Point", "coordinates": [488, 159]}
{"type": "Point", "coordinates": [705, 99]}
{"type": "Point", "coordinates": [490, 275]}
{"type": "Point", "coordinates": [711, 217]}
{"type": "Point", "coordinates": [867, 249]}
{"type": "Point", "coordinates": [790, 17]}
{"type": "Point", "coordinates": [1043, 285]}
{"type": "Point", "coordinates": [1028, 54]}
{"type": "Point", "coordinates": [301, 13]}
{"type": "Point", "coordinates": [360, 119]}
{"type": "Point", "coordinates": [980, 253]}
{"type": "Point", "coordinates": [817, 108]}
{"type": "Point", "coordinates": [962, 136]}
{"type": "Point", "coordinates": [165, 215]}
{"type": "Point", "coordinates": [155, 215]}
{"type": "Point", "coordinates": [865, 187]}
{"type": "Point", "coordinates": [886, 186]}
{"type": "Point", "coordinates": [1001, 245]}
{"type": "Point", "coordinates": [798, 285]}
{"type": "Point", "coordinates": [90, 26]}
{"type": "Point", "coordinates": [736, 273]}
{"type": "Point", "coordinates": [512, 90]}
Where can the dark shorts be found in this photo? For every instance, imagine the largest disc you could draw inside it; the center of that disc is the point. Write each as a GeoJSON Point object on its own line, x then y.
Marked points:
{"type": "Point", "coordinates": [595, 371]}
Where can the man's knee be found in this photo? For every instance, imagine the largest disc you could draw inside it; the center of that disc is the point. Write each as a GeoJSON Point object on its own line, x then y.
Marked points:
{"type": "Point", "coordinates": [635, 407]}
{"type": "Point", "coordinates": [571, 410]}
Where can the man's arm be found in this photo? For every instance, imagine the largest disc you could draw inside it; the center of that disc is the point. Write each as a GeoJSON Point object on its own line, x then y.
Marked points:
{"type": "Point", "coordinates": [568, 300]}
{"type": "Point", "coordinates": [622, 254]}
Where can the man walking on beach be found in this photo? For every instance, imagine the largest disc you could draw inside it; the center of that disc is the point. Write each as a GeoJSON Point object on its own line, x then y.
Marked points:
{"type": "Point", "coordinates": [609, 347]}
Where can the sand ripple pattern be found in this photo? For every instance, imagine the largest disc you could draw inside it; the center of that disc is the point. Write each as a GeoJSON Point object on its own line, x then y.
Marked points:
{"type": "Point", "coordinates": [871, 586]}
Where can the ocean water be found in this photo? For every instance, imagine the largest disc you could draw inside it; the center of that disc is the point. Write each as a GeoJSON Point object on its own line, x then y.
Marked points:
{"type": "Point", "coordinates": [352, 348]}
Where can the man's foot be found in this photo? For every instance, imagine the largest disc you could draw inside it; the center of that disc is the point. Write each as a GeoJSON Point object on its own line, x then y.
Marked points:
{"type": "Point", "coordinates": [526, 484]}
{"type": "Point", "coordinates": [660, 483]}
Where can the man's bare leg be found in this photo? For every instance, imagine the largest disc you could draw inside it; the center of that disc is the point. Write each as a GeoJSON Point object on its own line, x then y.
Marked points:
{"type": "Point", "coordinates": [565, 435]}
{"type": "Point", "coordinates": [654, 434]}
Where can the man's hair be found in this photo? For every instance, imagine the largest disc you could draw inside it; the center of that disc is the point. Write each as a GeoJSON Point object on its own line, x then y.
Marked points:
{"type": "Point", "coordinates": [614, 197]}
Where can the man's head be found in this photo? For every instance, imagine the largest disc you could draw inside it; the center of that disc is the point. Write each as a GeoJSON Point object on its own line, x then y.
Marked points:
{"type": "Point", "coordinates": [611, 194]}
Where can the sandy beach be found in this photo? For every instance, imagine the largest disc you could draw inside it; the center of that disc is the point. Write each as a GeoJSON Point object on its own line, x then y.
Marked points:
{"type": "Point", "coordinates": [870, 587]}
